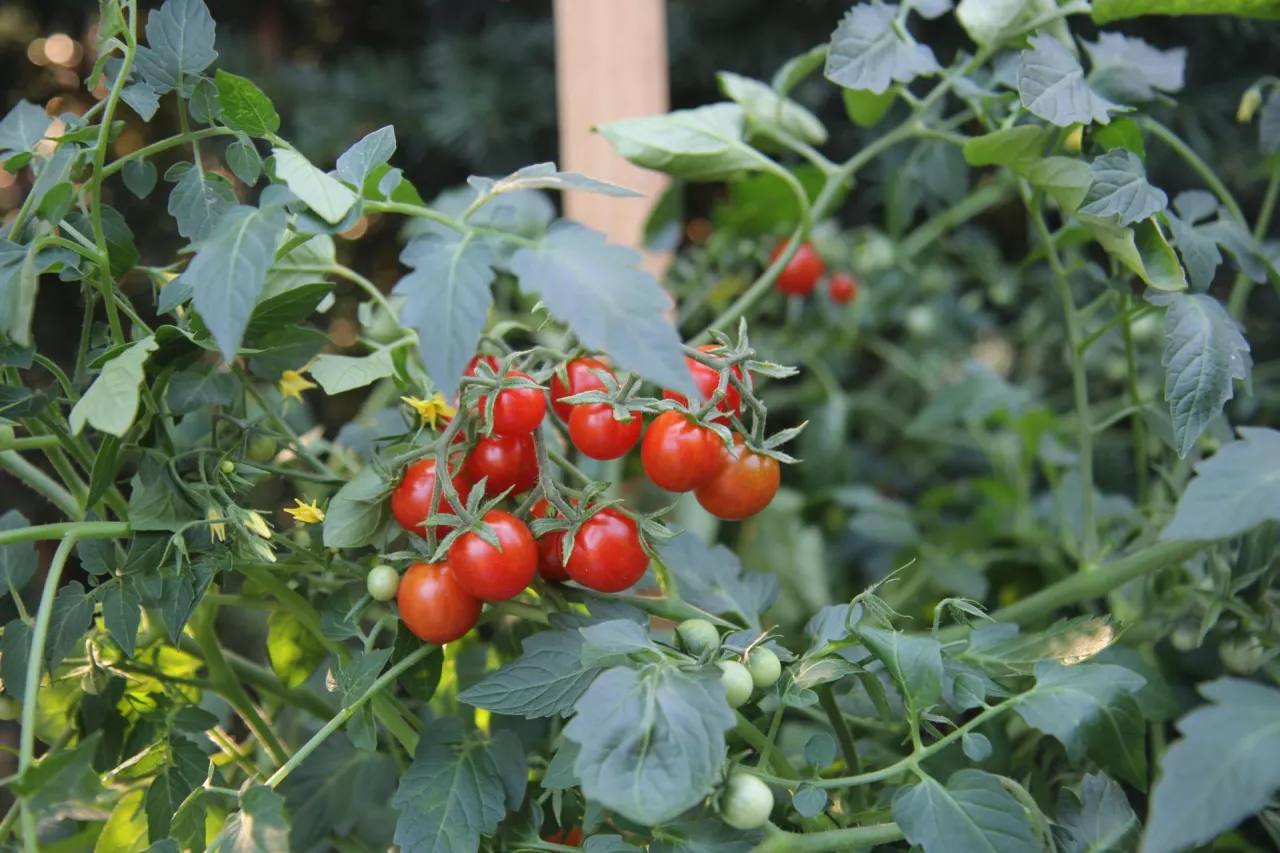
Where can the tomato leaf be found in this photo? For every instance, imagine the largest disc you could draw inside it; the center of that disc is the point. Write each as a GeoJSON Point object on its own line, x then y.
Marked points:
{"type": "Point", "coordinates": [139, 177]}
{"type": "Point", "coordinates": [72, 615]}
{"type": "Point", "coordinates": [973, 813]}
{"type": "Point", "coordinates": [293, 650]}
{"type": "Point", "coordinates": [1234, 490]}
{"type": "Point", "coordinates": [1098, 820]}
{"type": "Point", "coordinates": [914, 662]}
{"type": "Point", "coordinates": [447, 301]}
{"type": "Point", "coordinates": [180, 36]}
{"type": "Point", "coordinates": [708, 835]}
{"type": "Point", "coordinates": [1019, 147]}
{"type": "Point", "coordinates": [703, 144]}
{"type": "Point", "coordinates": [765, 108]}
{"type": "Point", "coordinates": [358, 512]}
{"type": "Point", "coordinates": [198, 201]}
{"type": "Point", "coordinates": [987, 20]}
{"type": "Point", "coordinates": [327, 197]}
{"type": "Point", "coordinates": [168, 790]}
{"type": "Point", "coordinates": [1128, 70]}
{"type": "Point", "coordinates": [111, 402]}
{"type": "Point", "coordinates": [335, 789]}
{"type": "Point", "coordinates": [652, 740]}
{"type": "Point", "coordinates": [15, 650]}
{"type": "Point", "coordinates": [259, 826]}
{"type": "Point", "coordinates": [358, 162]}
{"type": "Point", "coordinates": [245, 107]}
{"type": "Point", "coordinates": [245, 161]}
{"type": "Point", "coordinates": [546, 680]}
{"type": "Point", "coordinates": [1052, 86]}
{"type": "Point", "coordinates": [867, 52]}
{"type": "Point", "coordinates": [712, 578]}
{"type": "Point", "coordinates": [1118, 187]}
{"type": "Point", "coordinates": [545, 176]}
{"type": "Point", "coordinates": [190, 390]}
{"type": "Point", "coordinates": [22, 127]}
{"type": "Point", "coordinates": [122, 613]}
{"type": "Point", "coordinates": [339, 373]}
{"type": "Point", "coordinates": [608, 302]}
{"type": "Point", "coordinates": [1090, 708]}
{"type": "Point", "coordinates": [17, 559]}
{"type": "Point", "coordinates": [1222, 770]}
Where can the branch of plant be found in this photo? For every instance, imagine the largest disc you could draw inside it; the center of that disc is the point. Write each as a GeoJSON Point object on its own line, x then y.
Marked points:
{"type": "Point", "coordinates": [264, 681]}
{"type": "Point", "coordinates": [348, 712]}
{"type": "Point", "coordinates": [848, 745]}
{"type": "Point", "coordinates": [849, 838]}
{"type": "Point", "coordinates": [40, 482]}
{"type": "Point", "coordinates": [164, 145]}
{"type": "Point", "coordinates": [77, 529]}
{"type": "Point", "coordinates": [1243, 285]}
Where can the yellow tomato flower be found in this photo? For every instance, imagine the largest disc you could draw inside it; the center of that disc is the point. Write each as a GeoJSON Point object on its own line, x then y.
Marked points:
{"type": "Point", "coordinates": [431, 410]}
{"type": "Point", "coordinates": [218, 529]}
{"type": "Point", "coordinates": [293, 383]}
{"type": "Point", "coordinates": [1249, 103]}
{"type": "Point", "coordinates": [305, 513]}
{"type": "Point", "coordinates": [255, 522]}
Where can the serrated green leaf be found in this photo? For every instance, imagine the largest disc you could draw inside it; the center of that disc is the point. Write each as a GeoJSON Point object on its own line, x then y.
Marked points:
{"type": "Point", "coordinates": [121, 251]}
{"type": "Point", "coordinates": [652, 740]}
{"type": "Point", "coordinates": [228, 273]}
{"type": "Point", "coordinates": [867, 52]}
{"type": "Point", "coordinates": [914, 662]}
{"type": "Point", "coordinates": [190, 390]}
{"type": "Point", "coordinates": [712, 578]}
{"type": "Point", "coordinates": [259, 826]}
{"type": "Point", "coordinates": [186, 772]}
{"type": "Point", "coordinates": [180, 36]}
{"type": "Point", "coordinates": [1118, 187]}
{"type": "Point", "coordinates": [22, 127]}
{"type": "Point", "coordinates": [288, 348]}
{"type": "Point", "coordinates": [1052, 86]}
{"type": "Point", "coordinates": [1089, 707]}
{"type": "Point", "coordinates": [326, 196]}
{"type": "Point", "coordinates": [1222, 770]}
{"type": "Point", "coordinates": [1233, 491]}
{"type": "Point", "coordinates": [122, 614]}
{"type": "Point", "coordinates": [608, 302]}
{"type": "Point", "coordinates": [764, 107]}
{"type": "Point", "coordinates": [198, 201]}
{"type": "Point", "coordinates": [703, 144]}
{"type": "Point", "coordinates": [1099, 820]}
{"type": "Point", "coordinates": [1128, 70]}
{"type": "Point", "coordinates": [421, 680]}
{"type": "Point", "coordinates": [546, 680]}
{"type": "Point", "coordinates": [333, 791]}
{"type": "Point", "coordinates": [180, 595]}
{"type": "Point", "coordinates": [155, 502]}
{"type": "Point", "coordinates": [447, 301]}
{"type": "Point", "coordinates": [71, 617]}
{"type": "Point", "coordinates": [244, 106]}
{"type": "Point", "coordinates": [111, 402]}
{"type": "Point", "coordinates": [973, 813]}
{"type": "Point", "coordinates": [449, 797]}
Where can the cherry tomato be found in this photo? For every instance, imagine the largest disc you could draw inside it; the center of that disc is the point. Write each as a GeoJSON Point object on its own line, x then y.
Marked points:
{"type": "Point", "coordinates": [477, 360]}
{"type": "Point", "coordinates": [550, 546]}
{"type": "Point", "coordinates": [737, 683]}
{"type": "Point", "coordinates": [509, 461]}
{"type": "Point", "coordinates": [747, 802]}
{"type": "Point", "coordinates": [572, 838]}
{"type": "Point", "coordinates": [597, 433]}
{"type": "Point", "coordinates": [382, 583]}
{"type": "Point", "coordinates": [698, 636]}
{"type": "Point", "coordinates": [707, 379]}
{"type": "Point", "coordinates": [744, 486]}
{"type": "Point", "coordinates": [493, 574]}
{"type": "Point", "coordinates": [580, 379]}
{"type": "Point", "coordinates": [842, 288]}
{"type": "Point", "coordinates": [607, 555]}
{"type": "Point", "coordinates": [764, 666]}
{"type": "Point", "coordinates": [411, 501]}
{"type": "Point", "coordinates": [517, 411]}
{"type": "Point", "coordinates": [432, 604]}
{"type": "Point", "coordinates": [800, 276]}
{"type": "Point", "coordinates": [679, 455]}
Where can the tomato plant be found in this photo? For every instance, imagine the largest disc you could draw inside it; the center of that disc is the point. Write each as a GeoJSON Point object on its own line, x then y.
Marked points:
{"type": "Point", "coordinates": [984, 562]}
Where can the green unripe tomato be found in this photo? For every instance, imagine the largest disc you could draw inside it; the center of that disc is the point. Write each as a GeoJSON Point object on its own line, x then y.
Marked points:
{"type": "Point", "coordinates": [764, 666]}
{"type": "Point", "coordinates": [746, 803]}
{"type": "Point", "coordinates": [226, 466]}
{"type": "Point", "coordinates": [698, 636]}
{"type": "Point", "coordinates": [922, 321]}
{"type": "Point", "coordinates": [262, 448]}
{"type": "Point", "coordinates": [1185, 638]}
{"type": "Point", "coordinates": [6, 435]}
{"type": "Point", "coordinates": [1242, 656]}
{"type": "Point", "coordinates": [94, 681]}
{"type": "Point", "coordinates": [737, 682]}
{"type": "Point", "coordinates": [383, 581]}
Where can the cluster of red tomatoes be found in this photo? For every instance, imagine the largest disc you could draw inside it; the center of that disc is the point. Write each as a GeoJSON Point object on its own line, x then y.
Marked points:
{"type": "Point", "coordinates": [440, 602]}
{"type": "Point", "coordinates": [802, 273]}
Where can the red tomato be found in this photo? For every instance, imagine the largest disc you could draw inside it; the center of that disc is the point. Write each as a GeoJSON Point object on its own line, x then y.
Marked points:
{"type": "Point", "coordinates": [743, 487]}
{"type": "Point", "coordinates": [679, 455]}
{"type": "Point", "coordinates": [800, 276]}
{"type": "Point", "coordinates": [597, 433]}
{"type": "Point", "coordinates": [411, 501]}
{"type": "Point", "coordinates": [491, 574]}
{"type": "Point", "coordinates": [607, 555]}
{"type": "Point", "coordinates": [707, 379]}
{"type": "Point", "coordinates": [432, 604]}
{"type": "Point", "coordinates": [477, 360]}
{"type": "Point", "coordinates": [517, 410]}
{"type": "Point", "coordinates": [550, 545]}
{"type": "Point", "coordinates": [509, 461]}
{"type": "Point", "coordinates": [842, 288]}
{"type": "Point", "coordinates": [581, 379]}
{"type": "Point", "coordinates": [573, 838]}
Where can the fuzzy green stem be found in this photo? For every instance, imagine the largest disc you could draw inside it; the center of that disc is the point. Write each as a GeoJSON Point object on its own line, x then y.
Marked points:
{"type": "Point", "coordinates": [164, 145]}
{"type": "Point", "coordinates": [40, 481]}
{"type": "Point", "coordinates": [848, 746]}
{"type": "Point", "coordinates": [31, 442]}
{"type": "Point", "coordinates": [78, 529]}
{"type": "Point", "coordinates": [228, 686]}
{"type": "Point", "coordinates": [849, 838]}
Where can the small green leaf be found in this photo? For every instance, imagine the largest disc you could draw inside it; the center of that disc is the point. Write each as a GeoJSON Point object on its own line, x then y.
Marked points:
{"type": "Point", "coordinates": [1128, 70]}
{"type": "Point", "coordinates": [15, 651]}
{"type": "Point", "coordinates": [546, 680]}
{"type": "Point", "coordinates": [72, 615]}
{"type": "Point", "coordinates": [798, 68]}
{"type": "Point", "coordinates": [180, 595]}
{"type": "Point", "coordinates": [17, 559]}
{"type": "Point", "coordinates": [421, 680]}
{"type": "Point", "coordinates": [122, 614]}
{"type": "Point", "coordinates": [155, 502]}
{"type": "Point", "coordinates": [1099, 820]}
{"type": "Point", "coordinates": [203, 104]}
{"type": "Point", "coordinates": [245, 161]}
{"type": "Point", "coordinates": [1064, 178]}
{"type": "Point", "coordinates": [359, 161]}
{"type": "Point", "coordinates": [1121, 133]}
{"type": "Point", "coordinates": [22, 127]}
{"type": "Point", "coordinates": [608, 302]}
{"type": "Point", "coordinates": [652, 740]}
{"type": "Point", "coordinates": [764, 107]}
{"type": "Point", "coordinates": [358, 512]}
{"type": "Point", "coordinates": [703, 144]}
{"type": "Point", "coordinates": [180, 36]}
{"type": "Point", "coordinates": [198, 201]}
{"type": "Point", "coordinates": [914, 662]}
{"type": "Point", "coordinates": [326, 196]}
{"type": "Point", "coordinates": [867, 52]}
{"type": "Point", "coordinates": [986, 21]}
{"type": "Point", "coordinates": [244, 106]}
{"type": "Point", "coordinates": [1118, 187]}
{"type": "Point", "coordinates": [1234, 490]}
{"type": "Point", "coordinates": [866, 108]}
{"type": "Point", "coordinates": [286, 348]}
{"type": "Point", "coordinates": [973, 813]}
{"type": "Point", "coordinates": [139, 177]}
{"type": "Point", "coordinates": [1205, 352]}
{"type": "Point", "coordinates": [1090, 708]}
{"type": "Point", "coordinates": [1223, 770]}
{"type": "Point", "coordinates": [1052, 86]}
{"type": "Point", "coordinates": [294, 651]}
{"type": "Point", "coordinates": [1142, 248]}
{"type": "Point", "coordinates": [809, 800]}
{"type": "Point", "coordinates": [194, 389]}
{"type": "Point", "coordinates": [358, 675]}
{"type": "Point", "coordinates": [1019, 148]}
{"type": "Point", "coordinates": [111, 402]}
{"type": "Point", "coordinates": [186, 772]}
{"type": "Point", "coordinates": [259, 826]}
{"type": "Point", "coordinates": [339, 373]}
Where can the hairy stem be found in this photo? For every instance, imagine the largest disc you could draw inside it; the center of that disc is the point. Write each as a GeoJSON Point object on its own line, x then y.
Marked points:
{"type": "Point", "coordinates": [77, 529]}
{"type": "Point", "coordinates": [228, 686]}
{"type": "Point", "coordinates": [850, 838]}
{"type": "Point", "coordinates": [40, 481]}
{"type": "Point", "coordinates": [848, 746]}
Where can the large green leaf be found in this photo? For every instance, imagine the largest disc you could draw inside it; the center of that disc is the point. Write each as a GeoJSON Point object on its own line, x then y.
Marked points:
{"type": "Point", "coordinates": [1052, 86]}
{"type": "Point", "coordinates": [198, 388]}
{"type": "Point", "coordinates": [334, 790]}
{"type": "Point", "coordinates": [703, 144]}
{"type": "Point", "coordinates": [1019, 147]}
{"type": "Point", "coordinates": [1142, 248]}
{"type": "Point", "coordinates": [244, 106]}
{"type": "Point", "coordinates": [1002, 650]}
{"type": "Point", "coordinates": [1235, 490]}
{"type": "Point", "coordinates": [22, 127]}
{"type": "Point", "coordinates": [651, 739]}
{"type": "Point", "coordinates": [111, 402]}
{"type": "Point", "coordinates": [609, 303]}
{"type": "Point", "coordinates": [1204, 353]}
{"type": "Point", "coordinates": [987, 20]}
{"type": "Point", "coordinates": [914, 662]}
{"type": "Point", "coordinates": [707, 835]}
{"type": "Point", "coordinates": [155, 502]}
{"type": "Point", "coordinates": [764, 107]}
{"type": "Point", "coordinates": [259, 826]}
{"type": "Point", "coordinates": [451, 794]}
{"type": "Point", "coordinates": [546, 680]}
{"type": "Point", "coordinates": [973, 813]}
{"type": "Point", "coordinates": [180, 36]}
{"type": "Point", "coordinates": [359, 161]}
{"type": "Point", "coordinates": [186, 772]}
{"type": "Point", "coordinates": [1090, 708]}
{"type": "Point", "coordinates": [1225, 768]}
{"type": "Point", "coordinates": [228, 272]}
{"type": "Point", "coordinates": [712, 578]}
{"type": "Point", "coordinates": [1099, 820]}
{"type": "Point", "coordinates": [447, 300]}
{"type": "Point", "coordinates": [122, 613]}
{"type": "Point", "coordinates": [197, 202]}
{"type": "Point", "coordinates": [867, 51]}
{"type": "Point", "coordinates": [339, 373]}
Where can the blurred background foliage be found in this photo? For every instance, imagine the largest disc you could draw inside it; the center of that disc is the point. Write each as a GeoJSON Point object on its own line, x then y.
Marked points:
{"type": "Point", "coordinates": [470, 89]}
